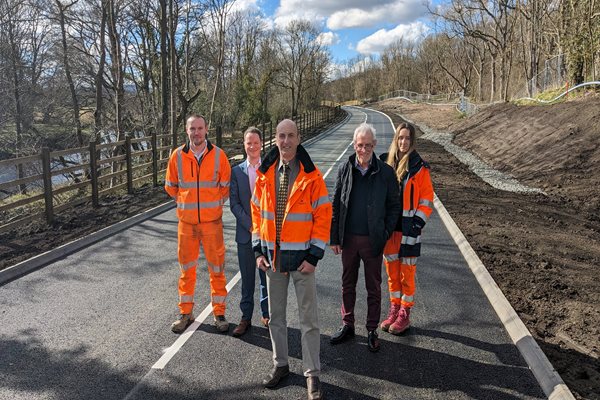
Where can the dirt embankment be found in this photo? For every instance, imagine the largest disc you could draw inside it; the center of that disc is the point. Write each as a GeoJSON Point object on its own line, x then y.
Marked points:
{"type": "Point", "coordinates": [542, 250]}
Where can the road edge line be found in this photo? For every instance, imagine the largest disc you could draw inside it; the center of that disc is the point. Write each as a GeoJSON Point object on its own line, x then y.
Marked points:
{"type": "Point", "coordinates": [34, 263]}
{"type": "Point", "coordinates": [550, 381]}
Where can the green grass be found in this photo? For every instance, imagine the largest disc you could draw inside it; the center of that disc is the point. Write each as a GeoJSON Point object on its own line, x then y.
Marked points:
{"type": "Point", "coordinates": [549, 95]}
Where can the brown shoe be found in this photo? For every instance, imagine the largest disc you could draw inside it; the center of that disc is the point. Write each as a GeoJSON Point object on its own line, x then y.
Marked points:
{"type": "Point", "coordinates": [276, 375]}
{"type": "Point", "coordinates": [242, 328]}
{"type": "Point", "coordinates": [221, 323]}
{"type": "Point", "coordinates": [265, 321]}
{"type": "Point", "coordinates": [182, 322]}
{"type": "Point", "coordinates": [313, 387]}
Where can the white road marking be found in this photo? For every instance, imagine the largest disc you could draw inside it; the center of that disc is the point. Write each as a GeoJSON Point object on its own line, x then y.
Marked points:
{"type": "Point", "coordinates": [336, 160]}
{"type": "Point", "coordinates": [171, 351]}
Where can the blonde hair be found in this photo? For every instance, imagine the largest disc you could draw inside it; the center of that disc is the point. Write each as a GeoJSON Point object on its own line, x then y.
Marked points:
{"type": "Point", "coordinates": [395, 159]}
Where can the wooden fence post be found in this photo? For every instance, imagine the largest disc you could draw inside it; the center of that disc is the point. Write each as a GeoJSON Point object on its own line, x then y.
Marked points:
{"type": "Point", "coordinates": [94, 172]}
{"type": "Point", "coordinates": [263, 138]}
{"type": "Point", "coordinates": [47, 177]}
{"type": "Point", "coordinates": [305, 123]}
{"type": "Point", "coordinates": [128, 164]}
{"type": "Point", "coordinates": [219, 135]}
{"type": "Point", "coordinates": [154, 159]}
{"type": "Point", "coordinates": [270, 134]}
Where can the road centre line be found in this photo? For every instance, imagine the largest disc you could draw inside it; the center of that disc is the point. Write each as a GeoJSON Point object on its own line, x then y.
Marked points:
{"type": "Point", "coordinates": [171, 351]}
{"type": "Point", "coordinates": [336, 160]}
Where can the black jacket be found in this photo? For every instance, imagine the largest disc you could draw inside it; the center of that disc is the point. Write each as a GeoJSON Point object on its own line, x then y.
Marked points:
{"type": "Point", "coordinates": [383, 204]}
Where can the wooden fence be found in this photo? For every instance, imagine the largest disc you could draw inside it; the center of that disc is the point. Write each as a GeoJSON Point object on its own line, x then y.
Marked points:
{"type": "Point", "coordinates": [59, 180]}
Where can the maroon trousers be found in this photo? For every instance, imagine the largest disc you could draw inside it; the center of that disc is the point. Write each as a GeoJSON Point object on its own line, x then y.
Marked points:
{"type": "Point", "coordinates": [357, 248]}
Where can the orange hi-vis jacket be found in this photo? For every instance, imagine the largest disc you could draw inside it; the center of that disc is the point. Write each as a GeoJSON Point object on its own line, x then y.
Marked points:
{"type": "Point", "coordinates": [200, 188]}
{"type": "Point", "coordinates": [416, 191]}
{"type": "Point", "coordinates": [307, 218]}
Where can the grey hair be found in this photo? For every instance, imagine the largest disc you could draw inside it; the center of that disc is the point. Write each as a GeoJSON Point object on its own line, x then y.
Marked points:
{"type": "Point", "coordinates": [364, 128]}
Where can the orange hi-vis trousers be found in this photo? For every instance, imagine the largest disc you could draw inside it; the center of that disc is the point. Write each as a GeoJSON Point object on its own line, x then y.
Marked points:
{"type": "Point", "coordinates": [190, 237]}
{"type": "Point", "coordinates": [401, 272]}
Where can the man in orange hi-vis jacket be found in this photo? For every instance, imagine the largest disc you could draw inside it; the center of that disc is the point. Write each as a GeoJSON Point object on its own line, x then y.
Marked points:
{"type": "Point", "coordinates": [198, 179]}
{"type": "Point", "coordinates": [291, 220]}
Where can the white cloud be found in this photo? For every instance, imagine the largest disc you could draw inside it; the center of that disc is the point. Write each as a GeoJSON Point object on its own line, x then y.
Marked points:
{"type": "Point", "coordinates": [340, 14]}
{"type": "Point", "coordinates": [245, 5]}
{"type": "Point", "coordinates": [328, 38]}
{"type": "Point", "coordinates": [381, 39]}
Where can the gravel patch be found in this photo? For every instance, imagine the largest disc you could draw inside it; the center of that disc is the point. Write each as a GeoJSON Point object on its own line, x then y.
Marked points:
{"type": "Point", "coordinates": [491, 176]}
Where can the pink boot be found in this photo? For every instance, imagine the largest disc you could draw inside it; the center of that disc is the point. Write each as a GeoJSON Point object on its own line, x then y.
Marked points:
{"type": "Point", "coordinates": [392, 315]}
{"type": "Point", "coordinates": [402, 322]}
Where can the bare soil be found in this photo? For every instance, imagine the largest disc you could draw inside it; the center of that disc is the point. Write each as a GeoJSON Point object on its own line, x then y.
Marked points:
{"type": "Point", "coordinates": [542, 250]}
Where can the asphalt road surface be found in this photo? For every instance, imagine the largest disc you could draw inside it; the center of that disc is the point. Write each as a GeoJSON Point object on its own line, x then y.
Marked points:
{"type": "Point", "coordinates": [96, 324]}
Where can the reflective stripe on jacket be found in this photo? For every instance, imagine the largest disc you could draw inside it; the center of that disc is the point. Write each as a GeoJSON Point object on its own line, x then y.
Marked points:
{"type": "Point", "coordinates": [307, 218]}
{"type": "Point", "coordinates": [417, 201]}
{"type": "Point", "coordinates": [200, 188]}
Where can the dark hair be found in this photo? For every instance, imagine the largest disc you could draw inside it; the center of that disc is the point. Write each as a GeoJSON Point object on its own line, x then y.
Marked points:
{"type": "Point", "coordinates": [253, 129]}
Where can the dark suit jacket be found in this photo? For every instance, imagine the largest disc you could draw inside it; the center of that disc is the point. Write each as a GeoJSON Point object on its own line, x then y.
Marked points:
{"type": "Point", "coordinates": [239, 202]}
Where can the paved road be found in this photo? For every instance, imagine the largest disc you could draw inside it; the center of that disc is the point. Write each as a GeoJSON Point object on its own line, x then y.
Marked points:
{"type": "Point", "coordinates": [95, 325]}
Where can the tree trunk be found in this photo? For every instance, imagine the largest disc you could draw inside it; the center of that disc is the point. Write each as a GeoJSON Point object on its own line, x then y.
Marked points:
{"type": "Point", "coordinates": [173, 70]}
{"type": "Point", "coordinates": [164, 70]}
{"type": "Point", "coordinates": [99, 77]}
{"type": "Point", "coordinates": [74, 101]}
{"type": "Point", "coordinates": [117, 75]}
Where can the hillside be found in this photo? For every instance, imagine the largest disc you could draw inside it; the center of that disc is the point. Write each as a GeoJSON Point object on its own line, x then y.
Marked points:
{"type": "Point", "coordinates": [542, 250]}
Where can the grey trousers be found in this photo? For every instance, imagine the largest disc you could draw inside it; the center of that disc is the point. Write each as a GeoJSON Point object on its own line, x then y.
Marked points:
{"type": "Point", "coordinates": [306, 295]}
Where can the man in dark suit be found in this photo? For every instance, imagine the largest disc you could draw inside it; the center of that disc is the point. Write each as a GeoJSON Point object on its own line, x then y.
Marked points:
{"type": "Point", "coordinates": [243, 178]}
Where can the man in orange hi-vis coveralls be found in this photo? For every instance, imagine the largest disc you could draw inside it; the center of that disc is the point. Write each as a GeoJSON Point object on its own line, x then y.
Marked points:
{"type": "Point", "coordinates": [198, 179]}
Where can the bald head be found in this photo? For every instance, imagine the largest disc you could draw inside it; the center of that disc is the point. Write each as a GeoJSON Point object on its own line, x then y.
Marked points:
{"type": "Point", "coordinates": [287, 124]}
{"type": "Point", "coordinates": [287, 139]}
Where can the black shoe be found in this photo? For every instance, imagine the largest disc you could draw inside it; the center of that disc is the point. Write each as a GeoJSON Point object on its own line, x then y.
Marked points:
{"type": "Point", "coordinates": [277, 374]}
{"type": "Point", "coordinates": [343, 334]}
{"type": "Point", "coordinates": [373, 341]}
{"type": "Point", "coordinates": [313, 386]}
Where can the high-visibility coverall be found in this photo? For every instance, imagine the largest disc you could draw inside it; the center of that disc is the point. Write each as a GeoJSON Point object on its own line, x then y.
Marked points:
{"type": "Point", "coordinates": [404, 246]}
{"type": "Point", "coordinates": [200, 188]}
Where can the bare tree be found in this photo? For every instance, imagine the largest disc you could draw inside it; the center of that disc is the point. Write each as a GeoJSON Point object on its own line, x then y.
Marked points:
{"type": "Point", "coordinates": [61, 11]}
{"type": "Point", "coordinates": [23, 53]}
{"type": "Point", "coordinates": [298, 50]}
{"type": "Point", "coordinates": [217, 13]}
{"type": "Point", "coordinates": [493, 23]}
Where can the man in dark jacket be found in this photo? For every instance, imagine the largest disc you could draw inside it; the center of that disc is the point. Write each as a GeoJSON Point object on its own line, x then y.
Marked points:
{"type": "Point", "coordinates": [366, 207]}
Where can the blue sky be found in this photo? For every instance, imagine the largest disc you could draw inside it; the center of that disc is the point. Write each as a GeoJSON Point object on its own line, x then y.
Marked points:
{"type": "Point", "coordinates": [351, 28]}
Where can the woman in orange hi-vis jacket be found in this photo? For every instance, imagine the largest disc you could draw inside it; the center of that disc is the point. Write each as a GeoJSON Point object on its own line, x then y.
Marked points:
{"type": "Point", "coordinates": [402, 249]}
{"type": "Point", "coordinates": [198, 177]}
